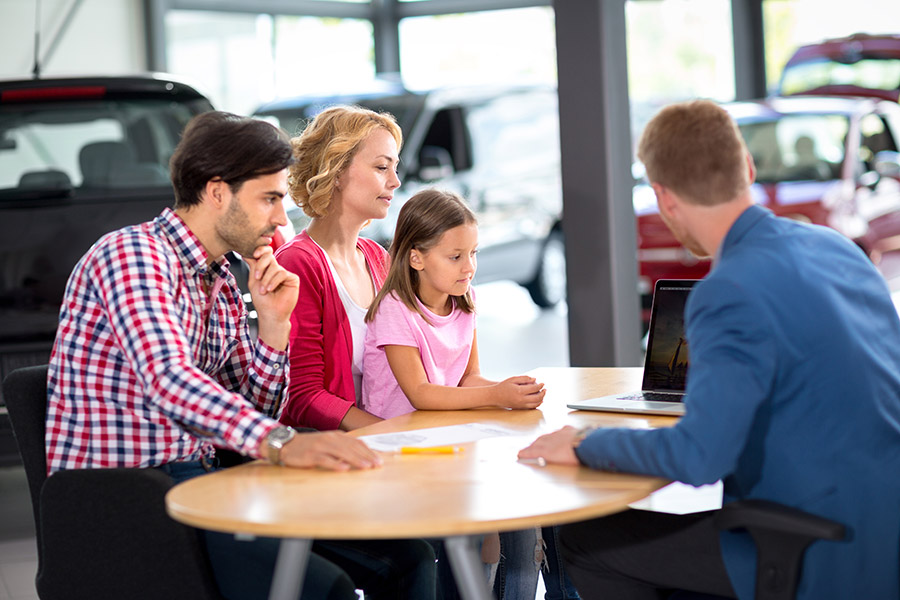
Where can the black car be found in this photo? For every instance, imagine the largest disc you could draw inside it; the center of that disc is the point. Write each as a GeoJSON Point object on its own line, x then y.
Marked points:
{"type": "Point", "coordinates": [79, 157]}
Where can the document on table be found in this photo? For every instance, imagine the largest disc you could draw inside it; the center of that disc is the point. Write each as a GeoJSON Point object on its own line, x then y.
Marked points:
{"type": "Point", "coordinates": [434, 436]}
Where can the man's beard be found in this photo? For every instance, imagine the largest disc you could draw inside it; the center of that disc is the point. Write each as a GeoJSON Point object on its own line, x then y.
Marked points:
{"type": "Point", "coordinates": [235, 230]}
{"type": "Point", "coordinates": [685, 238]}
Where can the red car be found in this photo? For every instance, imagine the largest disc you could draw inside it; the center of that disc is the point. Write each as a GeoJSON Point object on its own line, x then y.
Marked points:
{"type": "Point", "coordinates": [858, 65]}
{"type": "Point", "coordinates": [824, 160]}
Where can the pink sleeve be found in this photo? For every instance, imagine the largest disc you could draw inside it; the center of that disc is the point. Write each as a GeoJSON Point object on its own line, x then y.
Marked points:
{"type": "Point", "coordinates": [392, 325]}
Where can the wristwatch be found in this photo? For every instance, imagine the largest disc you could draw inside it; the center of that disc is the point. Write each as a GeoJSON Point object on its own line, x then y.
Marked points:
{"type": "Point", "coordinates": [581, 434]}
{"type": "Point", "coordinates": [275, 441]}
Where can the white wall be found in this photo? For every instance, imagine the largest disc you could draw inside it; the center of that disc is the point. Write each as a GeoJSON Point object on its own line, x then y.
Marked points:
{"type": "Point", "coordinates": [104, 37]}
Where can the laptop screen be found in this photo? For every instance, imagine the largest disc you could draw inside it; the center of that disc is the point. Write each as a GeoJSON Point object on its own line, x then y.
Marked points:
{"type": "Point", "coordinates": [666, 363]}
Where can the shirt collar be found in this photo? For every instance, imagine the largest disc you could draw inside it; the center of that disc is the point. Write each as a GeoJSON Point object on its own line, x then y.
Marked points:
{"type": "Point", "coordinates": [744, 223]}
{"type": "Point", "coordinates": [190, 251]}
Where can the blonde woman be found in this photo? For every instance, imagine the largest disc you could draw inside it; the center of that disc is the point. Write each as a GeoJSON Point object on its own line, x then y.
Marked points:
{"type": "Point", "coordinates": [345, 176]}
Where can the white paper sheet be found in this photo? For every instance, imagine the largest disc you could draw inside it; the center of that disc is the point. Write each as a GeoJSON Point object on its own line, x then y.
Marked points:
{"type": "Point", "coordinates": [434, 436]}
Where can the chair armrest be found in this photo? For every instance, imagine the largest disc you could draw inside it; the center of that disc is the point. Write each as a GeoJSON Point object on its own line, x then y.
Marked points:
{"type": "Point", "coordinates": [763, 514]}
{"type": "Point", "coordinates": [106, 534]}
{"type": "Point", "coordinates": [781, 534]}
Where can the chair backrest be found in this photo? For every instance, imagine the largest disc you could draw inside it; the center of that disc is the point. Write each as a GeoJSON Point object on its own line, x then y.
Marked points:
{"type": "Point", "coordinates": [106, 529]}
{"type": "Point", "coordinates": [25, 394]}
{"type": "Point", "coordinates": [51, 179]}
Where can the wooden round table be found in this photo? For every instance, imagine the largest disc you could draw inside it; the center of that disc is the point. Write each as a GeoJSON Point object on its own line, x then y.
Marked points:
{"type": "Point", "coordinates": [481, 489]}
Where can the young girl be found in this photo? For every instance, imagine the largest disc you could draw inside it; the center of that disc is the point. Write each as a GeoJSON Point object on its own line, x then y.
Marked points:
{"type": "Point", "coordinates": [421, 350]}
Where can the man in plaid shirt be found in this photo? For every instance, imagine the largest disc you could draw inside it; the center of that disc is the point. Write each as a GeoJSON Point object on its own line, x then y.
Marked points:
{"type": "Point", "coordinates": [154, 364]}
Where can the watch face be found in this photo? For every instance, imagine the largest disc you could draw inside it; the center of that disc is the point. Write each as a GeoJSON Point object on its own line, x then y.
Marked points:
{"type": "Point", "coordinates": [280, 435]}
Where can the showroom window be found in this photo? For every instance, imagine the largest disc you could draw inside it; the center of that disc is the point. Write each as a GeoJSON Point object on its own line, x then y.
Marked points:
{"type": "Point", "coordinates": [792, 23]}
{"type": "Point", "coordinates": [482, 47]}
{"type": "Point", "coordinates": [677, 49]}
{"type": "Point", "coordinates": [243, 60]}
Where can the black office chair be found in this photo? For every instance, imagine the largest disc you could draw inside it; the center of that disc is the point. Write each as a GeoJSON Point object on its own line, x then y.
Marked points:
{"type": "Point", "coordinates": [781, 534]}
{"type": "Point", "coordinates": [101, 533]}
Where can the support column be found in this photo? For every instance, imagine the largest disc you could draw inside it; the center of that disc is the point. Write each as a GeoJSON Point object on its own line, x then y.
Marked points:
{"type": "Point", "coordinates": [386, 33]}
{"type": "Point", "coordinates": [599, 225]}
{"type": "Point", "coordinates": [749, 49]}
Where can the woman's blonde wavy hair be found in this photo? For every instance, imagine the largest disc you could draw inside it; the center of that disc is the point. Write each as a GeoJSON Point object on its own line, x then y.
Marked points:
{"type": "Point", "coordinates": [325, 149]}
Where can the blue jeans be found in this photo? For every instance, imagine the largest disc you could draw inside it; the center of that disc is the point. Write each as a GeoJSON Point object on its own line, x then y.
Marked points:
{"type": "Point", "coordinates": [521, 559]}
{"type": "Point", "coordinates": [385, 569]}
{"type": "Point", "coordinates": [520, 564]}
{"type": "Point", "coordinates": [556, 581]}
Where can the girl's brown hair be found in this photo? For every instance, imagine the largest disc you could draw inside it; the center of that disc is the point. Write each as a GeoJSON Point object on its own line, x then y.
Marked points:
{"type": "Point", "coordinates": [421, 223]}
{"type": "Point", "coordinates": [325, 149]}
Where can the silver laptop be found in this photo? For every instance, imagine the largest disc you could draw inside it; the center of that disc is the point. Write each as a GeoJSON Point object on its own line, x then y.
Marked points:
{"type": "Point", "coordinates": [666, 361]}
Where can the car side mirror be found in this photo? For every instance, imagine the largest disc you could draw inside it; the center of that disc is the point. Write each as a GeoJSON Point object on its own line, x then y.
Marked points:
{"type": "Point", "coordinates": [887, 164]}
{"type": "Point", "coordinates": [435, 163]}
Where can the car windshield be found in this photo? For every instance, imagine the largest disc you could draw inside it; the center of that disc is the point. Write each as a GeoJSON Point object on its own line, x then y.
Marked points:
{"type": "Point", "coordinates": [90, 146]}
{"type": "Point", "coordinates": [869, 73]}
{"type": "Point", "coordinates": [71, 170]}
{"type": "Point", "coordinates": [797, 147]}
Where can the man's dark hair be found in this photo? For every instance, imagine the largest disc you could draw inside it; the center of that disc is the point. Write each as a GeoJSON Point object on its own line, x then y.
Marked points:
{"type": "Point", "coordinates": [230, 147]}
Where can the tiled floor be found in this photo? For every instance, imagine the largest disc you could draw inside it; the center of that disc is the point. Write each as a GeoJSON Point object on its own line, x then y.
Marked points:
{"type": "Point", "coordinates": [18, 554]}
{"type": "Point", "coordinates": [18, 565]}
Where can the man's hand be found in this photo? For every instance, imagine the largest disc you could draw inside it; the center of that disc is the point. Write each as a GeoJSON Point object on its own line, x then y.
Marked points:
{"type": "Point", "coordinates": [555, 448]}
{"type": "Point", "coordinates": [274, 292]}
{"type": "Point", "coordinates": [332, 450]}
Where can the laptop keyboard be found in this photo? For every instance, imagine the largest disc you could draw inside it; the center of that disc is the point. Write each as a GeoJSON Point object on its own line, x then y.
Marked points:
{"type": "Point", "coordinates": [652, 397]}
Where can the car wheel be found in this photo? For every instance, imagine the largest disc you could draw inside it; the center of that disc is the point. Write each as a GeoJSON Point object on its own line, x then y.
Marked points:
{"type": "Point", "coordinates": [548, 288]}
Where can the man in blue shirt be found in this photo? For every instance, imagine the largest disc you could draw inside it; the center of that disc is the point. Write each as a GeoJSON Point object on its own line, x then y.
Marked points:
{"type": "Point", "coordinates": [793, 392]}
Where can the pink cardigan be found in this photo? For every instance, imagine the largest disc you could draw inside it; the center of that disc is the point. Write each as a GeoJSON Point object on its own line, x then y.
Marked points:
{"type": "Point", "coordinates": [321, 347]}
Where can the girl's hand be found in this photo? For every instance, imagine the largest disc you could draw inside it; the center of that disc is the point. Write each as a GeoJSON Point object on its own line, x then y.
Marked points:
{"type": "Point", "coordinates": [520, 392]}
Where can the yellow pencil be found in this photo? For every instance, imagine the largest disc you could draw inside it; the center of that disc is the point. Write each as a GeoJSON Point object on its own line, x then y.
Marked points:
{"type": "Point", "coordinates": [430, 450]}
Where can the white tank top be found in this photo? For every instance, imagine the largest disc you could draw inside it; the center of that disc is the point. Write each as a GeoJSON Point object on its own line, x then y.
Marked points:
{"type": "Point", "coordinates": [356, 314]}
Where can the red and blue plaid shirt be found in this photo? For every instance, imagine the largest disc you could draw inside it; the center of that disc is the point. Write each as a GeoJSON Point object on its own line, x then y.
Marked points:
{"type": "Point", "coordinates": [146, 369]}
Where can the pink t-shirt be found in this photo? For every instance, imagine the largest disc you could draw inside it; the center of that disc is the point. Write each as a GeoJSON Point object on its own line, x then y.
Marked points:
{"type": "Point", "coordinates": [444, 345]}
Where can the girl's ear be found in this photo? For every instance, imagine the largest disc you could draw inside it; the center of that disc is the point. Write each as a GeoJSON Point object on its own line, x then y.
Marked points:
{"type": "Point", "coordinates": [415, 260]}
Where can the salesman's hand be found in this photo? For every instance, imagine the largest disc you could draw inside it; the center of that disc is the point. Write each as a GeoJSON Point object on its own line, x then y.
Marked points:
{"type": "Point", "coordinates": [333, 450]}
{"type": "Point", "coordinates": [554, 448]}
